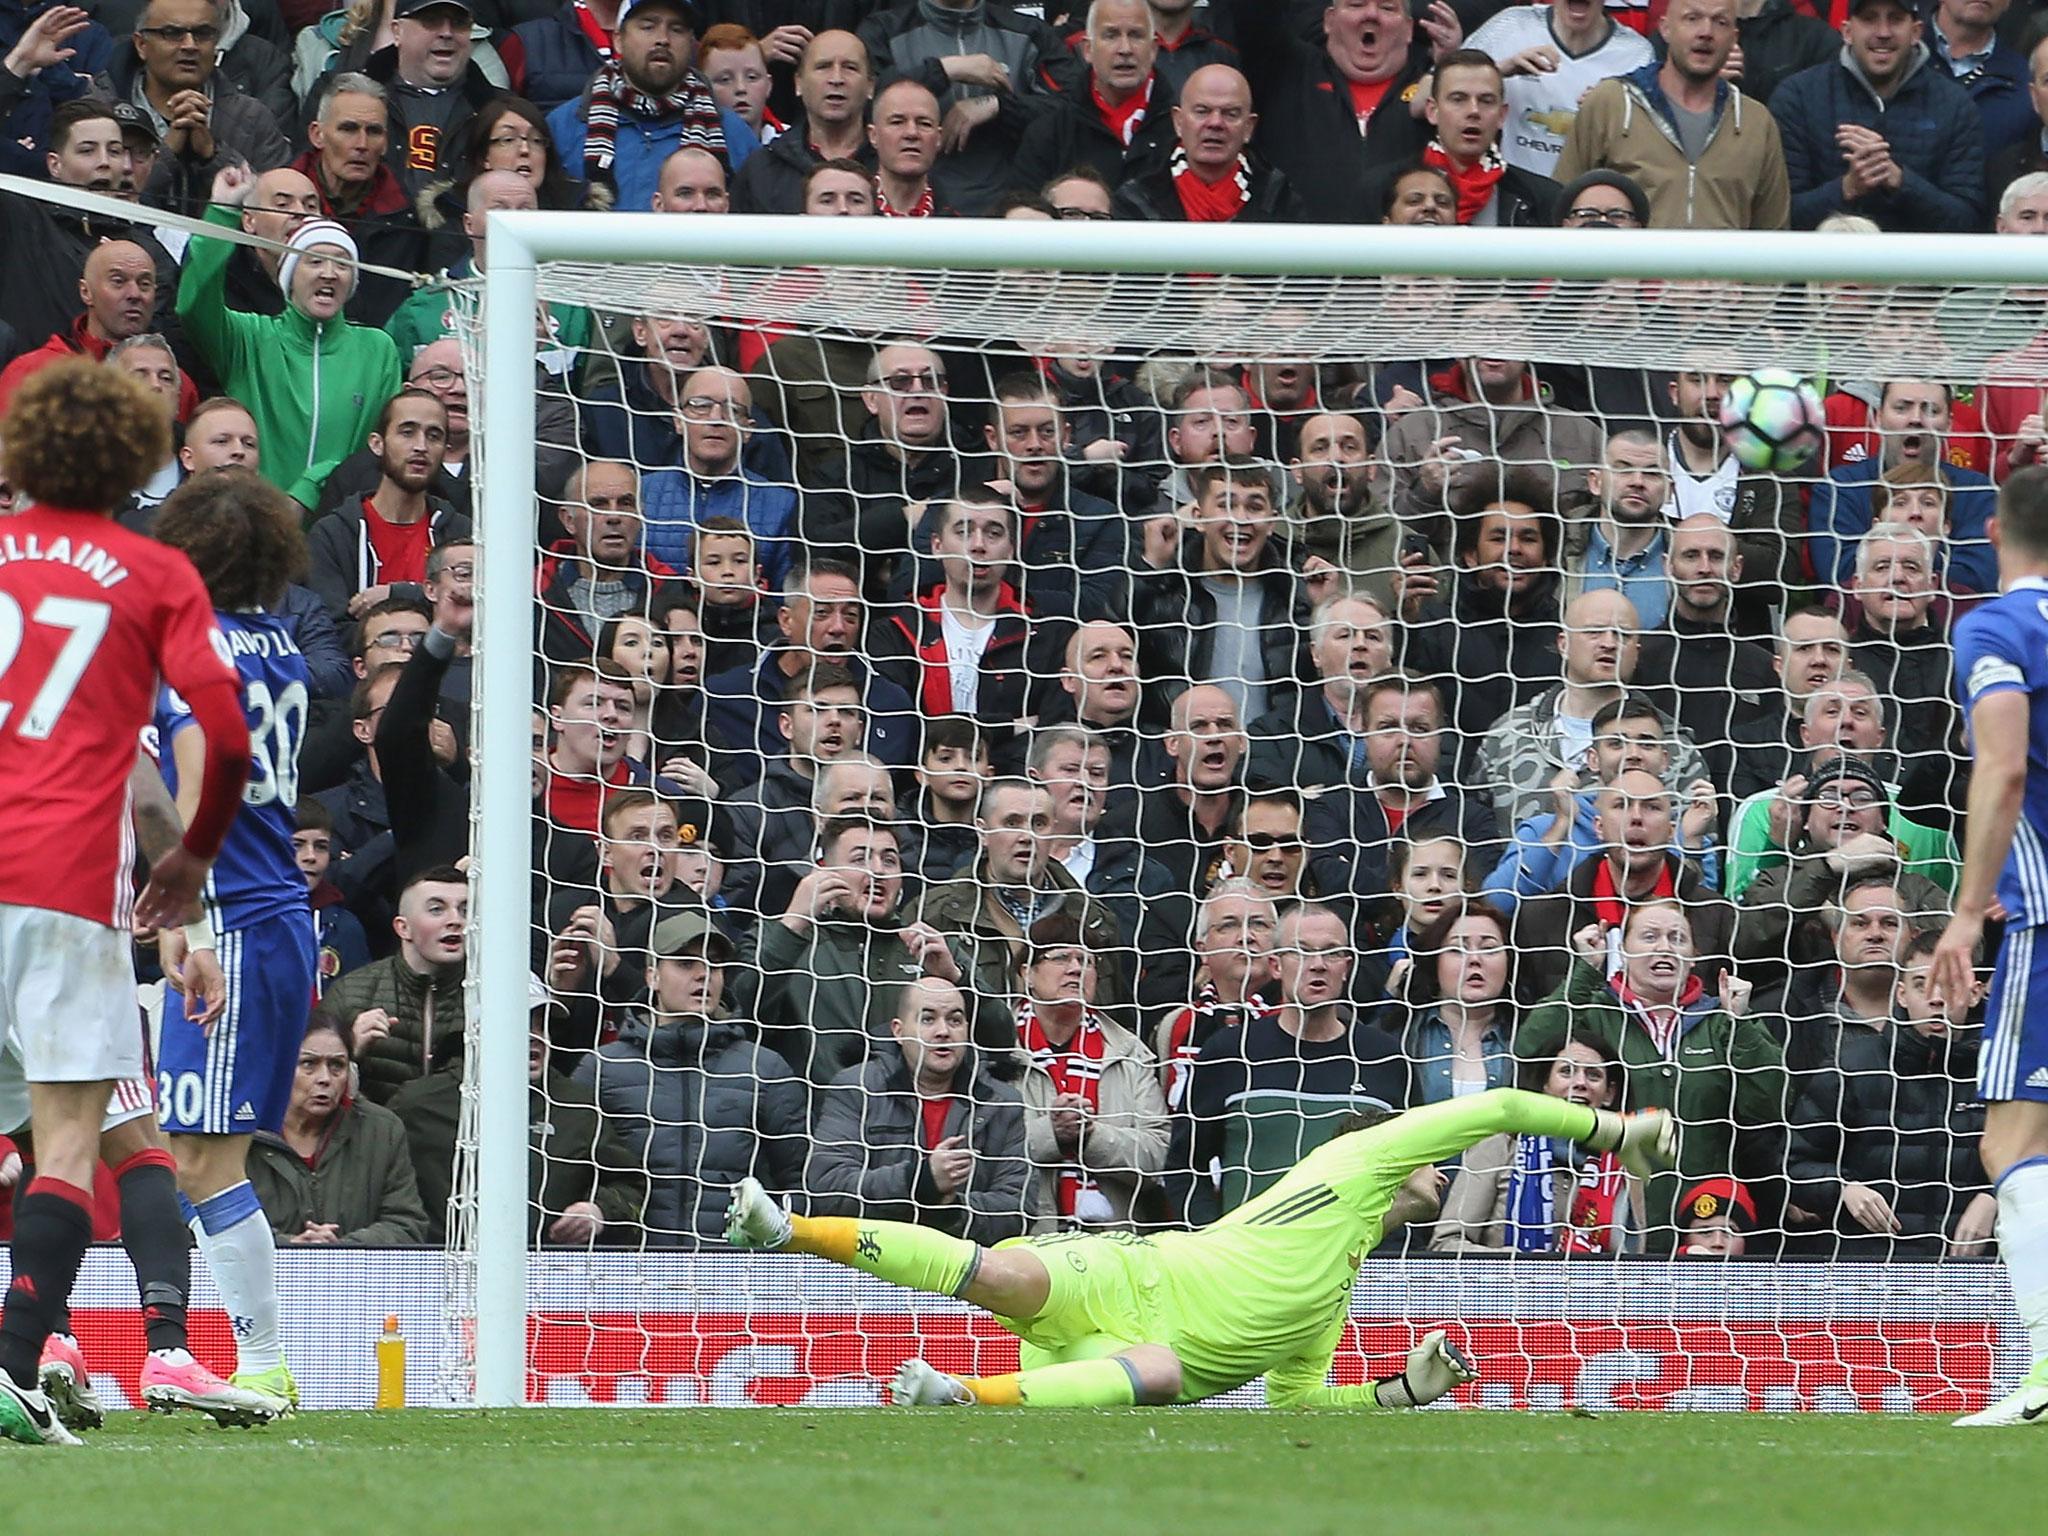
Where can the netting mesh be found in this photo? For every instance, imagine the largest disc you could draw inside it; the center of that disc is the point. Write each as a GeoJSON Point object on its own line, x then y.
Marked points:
{"type": "Point", "coordinates": [1032, 751]}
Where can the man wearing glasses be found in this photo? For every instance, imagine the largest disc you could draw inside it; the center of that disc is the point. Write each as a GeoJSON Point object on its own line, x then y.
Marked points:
{"type": "Point", "coordinates": [715, 415]}
{"type": "Point", "coordinates": [172, 77]}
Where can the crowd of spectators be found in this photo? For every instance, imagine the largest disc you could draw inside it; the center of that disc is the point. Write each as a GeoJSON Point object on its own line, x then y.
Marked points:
{"type": "Point", "coordinates": [1014, 784]}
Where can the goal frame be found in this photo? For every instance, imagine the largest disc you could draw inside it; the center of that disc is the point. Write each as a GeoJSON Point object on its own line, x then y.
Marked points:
{"type": "Point", "coordinates": [520, 242]}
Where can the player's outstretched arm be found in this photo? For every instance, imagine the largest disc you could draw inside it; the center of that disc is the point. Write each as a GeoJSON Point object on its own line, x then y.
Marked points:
{"type": "Point", "coordinates": [1435, 1366]}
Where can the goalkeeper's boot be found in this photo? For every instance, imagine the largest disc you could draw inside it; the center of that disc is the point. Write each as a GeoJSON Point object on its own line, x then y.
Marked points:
{"type": "Point", "coordinates": [172, 1379]}
{"type": "Point", "coordinates": [755, 1218]}
{"type": "Point", "coordinates": [920, 1384]}
{"type": "Point", "coordinates": [68, 1385]}
{"type": "Point", "coordinates": [2025, 1404]}
{"type": "Point", "coordinates": [1435, 1366]}
{"type": "Point", "coordinates": [27, 1418]}
{"type": "Point", "coordinates": [274, 1383]}
{"type": "Point", "coordinates": [1649, 1141]}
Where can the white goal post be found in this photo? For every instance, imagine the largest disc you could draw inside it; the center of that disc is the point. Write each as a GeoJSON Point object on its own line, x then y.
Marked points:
{"type": "Point", "coordinates": [1325, 258]}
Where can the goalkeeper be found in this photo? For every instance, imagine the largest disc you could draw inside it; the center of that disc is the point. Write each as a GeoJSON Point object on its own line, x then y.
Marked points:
{"type": "Point", "coordinates": [1111, 1319]}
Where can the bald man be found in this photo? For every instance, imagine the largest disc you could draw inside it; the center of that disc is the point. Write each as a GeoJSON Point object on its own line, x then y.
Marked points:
{"type": "Point", "coordinates": [424, 317]}
{"type": "Point", "coordinates": [118, 291]}
{"type": "Point", "coordinates": [279, 203]}
{"type": "Point", "coordinates": [692, 180]}
{"type": "Point", "coordinates": [835, 82]}
{"type": "Point", "coordinates": [1212, 176]}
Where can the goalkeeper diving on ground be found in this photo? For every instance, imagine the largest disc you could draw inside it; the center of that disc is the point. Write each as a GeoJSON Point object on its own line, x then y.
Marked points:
{"type": "Point", "coordinates": [1114, 1319]}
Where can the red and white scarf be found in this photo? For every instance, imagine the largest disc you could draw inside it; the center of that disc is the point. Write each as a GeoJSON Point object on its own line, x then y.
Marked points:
{"type": "Point", "coordinates": [1474, 184]}
{"type": "Point", "coordinates": [1123, 121]}
{"type": "Point", "coordinates": [1193, 1027]}
{"type": "Point", "coordinates": [1075, 1067]}
{"type": "Point", "coordinates": [1211, 202]}
{"type": "Point", "coordinates": [921, 209]}
{"type": "Point", "coordinates": [611, 93]}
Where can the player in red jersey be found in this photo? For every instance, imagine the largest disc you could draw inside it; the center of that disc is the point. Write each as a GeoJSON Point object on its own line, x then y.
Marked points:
{"type": "Point", "coordinates": [91, 618]}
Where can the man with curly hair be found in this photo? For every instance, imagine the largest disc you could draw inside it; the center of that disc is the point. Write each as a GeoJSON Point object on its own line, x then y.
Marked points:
{"type": "Point", "coordinates": [220, 1082]}
{"type": "Point", "coordinates": [96, 615]}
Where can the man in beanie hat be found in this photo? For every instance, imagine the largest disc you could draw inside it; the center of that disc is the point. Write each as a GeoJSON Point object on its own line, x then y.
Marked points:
{"type": "Point", "coordinates": [313, 381]}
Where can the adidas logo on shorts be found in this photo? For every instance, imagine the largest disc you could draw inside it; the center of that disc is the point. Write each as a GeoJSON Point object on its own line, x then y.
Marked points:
{"type": "Point", "coordinates": [2038, 1078]}
{"type": "Point", "coordinates": [245, 1110]}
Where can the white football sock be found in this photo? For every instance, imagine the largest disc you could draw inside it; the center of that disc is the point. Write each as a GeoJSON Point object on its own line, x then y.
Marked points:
{"type": "Point", "coordinates": [2023, 1244]}
{"type": "Point", "coordinates": [235, 1237]}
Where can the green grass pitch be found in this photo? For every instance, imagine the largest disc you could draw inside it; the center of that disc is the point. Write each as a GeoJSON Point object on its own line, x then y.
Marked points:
{"type": "Point", "coordinates": [1189, 1472]}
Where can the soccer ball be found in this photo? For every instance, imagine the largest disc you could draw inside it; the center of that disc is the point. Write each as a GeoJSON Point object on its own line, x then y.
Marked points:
{"type": "Point", "coordinates": [1773, 420]}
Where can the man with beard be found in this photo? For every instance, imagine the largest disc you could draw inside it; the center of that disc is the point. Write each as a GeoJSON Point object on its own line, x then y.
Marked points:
{"type": "Point", "coordinates": [1913, 420]}
{"type": "Point", "coordinates": [364, 553]}
{"type": "Point", "coordinates": [1336, 520]}
{"type": "Point", "coordinates": [1630, 543]}
{"type": "Point", "coordinates": [1707, 478]}
{"type": "Point", "coordinates": [1317, 740]}
{"type": "Point", "coordinates": [1210, 177]}
{"type": "Point", "coordinates": [1490, 641]}
{"type": "Point", "coordinates": [645, 102]}
{"type": "Point", "coordinates": [1708, 156]}
{"type": "Point", "coordinates": [834, 81]}
{"type": "Point", "coordinates": [1722, 689]}
{"type": "Point", "coordinates": [1334, 114]}
{"type": "Point", "coordinates": [1884, 130]}
{"type": "Point", "coordinates": [1467, 106]}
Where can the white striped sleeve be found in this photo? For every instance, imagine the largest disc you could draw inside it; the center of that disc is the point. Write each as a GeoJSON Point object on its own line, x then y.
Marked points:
{"type": "Point", "coordinates": [1992, 674]}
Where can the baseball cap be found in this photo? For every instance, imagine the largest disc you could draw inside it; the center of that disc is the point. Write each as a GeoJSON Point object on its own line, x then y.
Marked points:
{"type": "Point", "coordinates": [693, 824]}
{"type": "Point", "coordinates": [1718, 1197]}
{"type": "Point", "coordinates": [687, 9]}
{"type": "Point", "coordinates": [134, 120]}
{"type": "Point", "coordinates": [414, 7]}
{"type": "Point", "coordinates": [538, 996]}
{"type": "Point", "coordinates": [685, 931]}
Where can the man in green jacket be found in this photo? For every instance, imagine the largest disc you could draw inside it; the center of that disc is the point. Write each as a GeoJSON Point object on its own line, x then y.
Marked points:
{"type": "Point", "coordinates": [1719, 1071]}
{"type": "Point", "coordinates": [314, 382]}
{"type": "Point", "coordinates": [833, 966]}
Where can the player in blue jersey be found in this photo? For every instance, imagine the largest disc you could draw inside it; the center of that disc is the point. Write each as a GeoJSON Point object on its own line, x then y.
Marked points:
{"type": "Point", "coordinates": [220, 1083]}
{"type": "Point", "coordinates": [2002, 671]}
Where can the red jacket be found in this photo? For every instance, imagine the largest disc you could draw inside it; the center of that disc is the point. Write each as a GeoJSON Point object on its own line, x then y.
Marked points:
{"type": "Point", "coordinates": [106, 1201]}
{"type": "Point", "coordinates": [79, 343]}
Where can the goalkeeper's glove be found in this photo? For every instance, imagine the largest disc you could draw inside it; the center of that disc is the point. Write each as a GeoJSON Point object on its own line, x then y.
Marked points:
{"type": "Point", "coordinates": [1435, 1366]}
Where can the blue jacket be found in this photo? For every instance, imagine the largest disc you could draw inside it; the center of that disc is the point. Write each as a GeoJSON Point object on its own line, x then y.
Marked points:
{"type": "Point", "coordinates": [555, 60]}
{"type": "Point", "coordinates": [26, 105]}
{"type": "Point", "coordinates": [1532, 867]}
{"type": "Point", "coordinates": [674, 502]}
{"type": "Point", "coordinates": [1839, 515]}
{"type": "Point", "coordinates": [642, 143]}
{"type": "Point", "coordinates": [1929, 122]}
{"type": "Point", "coordinates": [1998, 86]}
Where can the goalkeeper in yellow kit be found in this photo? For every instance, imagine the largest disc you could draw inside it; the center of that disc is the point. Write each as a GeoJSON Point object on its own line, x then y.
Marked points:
{"type": "Point", "coordinates": [1111, 1319]}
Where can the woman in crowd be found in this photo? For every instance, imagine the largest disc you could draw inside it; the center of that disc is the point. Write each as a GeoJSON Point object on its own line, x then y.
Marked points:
{"type": "Point", "coordinates": [1535, 1194]}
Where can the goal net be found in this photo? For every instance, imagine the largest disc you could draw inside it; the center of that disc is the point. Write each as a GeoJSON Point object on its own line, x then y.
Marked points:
{"type": "Point", "coordinates": [1024, 741]}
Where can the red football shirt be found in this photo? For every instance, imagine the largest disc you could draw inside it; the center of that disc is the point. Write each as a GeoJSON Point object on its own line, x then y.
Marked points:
{"type": "Point", "coordinates": [401, 548]}
{"type": "Point", "coordinates": [91, 617]}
